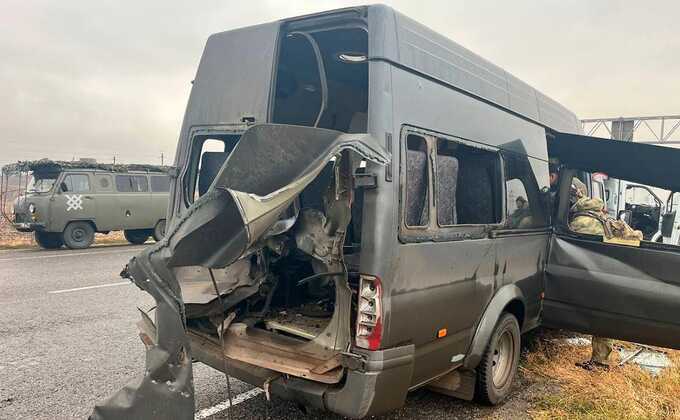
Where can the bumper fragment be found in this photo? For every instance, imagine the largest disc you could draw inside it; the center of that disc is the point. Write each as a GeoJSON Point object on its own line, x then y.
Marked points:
{"type": "Point", "coordinates": [29, 227]}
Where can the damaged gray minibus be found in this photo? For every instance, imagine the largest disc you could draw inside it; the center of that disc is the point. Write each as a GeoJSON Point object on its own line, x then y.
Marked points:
{"type": "Point", "coordinates": [361, 207]}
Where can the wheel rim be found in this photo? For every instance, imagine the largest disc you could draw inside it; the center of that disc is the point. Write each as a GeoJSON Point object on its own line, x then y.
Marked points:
{"type": "Point", "coordinates": [503, 356]}
{"type": "Point", "coordinates": [79, 235]}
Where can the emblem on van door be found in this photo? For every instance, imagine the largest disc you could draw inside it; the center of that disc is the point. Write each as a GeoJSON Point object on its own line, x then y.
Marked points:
{"type": "Point", "coordinates": [74, 202]}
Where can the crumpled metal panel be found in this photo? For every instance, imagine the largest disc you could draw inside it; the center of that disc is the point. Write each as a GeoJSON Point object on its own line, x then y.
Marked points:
{"type": "Point", "coordinates": [269, 167]}
{"type": "Point", "coordinates": [266, 171]}
{"type": "Point", "coordinates": [165, 390]}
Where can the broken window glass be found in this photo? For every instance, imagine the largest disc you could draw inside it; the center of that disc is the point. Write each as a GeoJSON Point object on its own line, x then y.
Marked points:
{"type": "Point", "coordinates": [417, 182]}
{"type": "Point", "coordinates": [447, 183]}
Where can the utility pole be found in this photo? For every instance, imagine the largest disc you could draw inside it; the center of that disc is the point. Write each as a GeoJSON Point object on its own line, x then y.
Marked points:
{"type": "Point", "coordinates": [161, 158]}
{"type": "Point", "coordinates": [114, 159]}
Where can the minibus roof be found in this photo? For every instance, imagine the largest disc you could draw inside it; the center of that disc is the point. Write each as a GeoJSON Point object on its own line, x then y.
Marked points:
{"type": "Point", "coordinates": [243, 60]}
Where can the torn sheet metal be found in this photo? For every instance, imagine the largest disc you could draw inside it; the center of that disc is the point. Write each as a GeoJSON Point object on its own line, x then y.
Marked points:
{"type": "Point", "coordinates": [269, 167]}
{"type": "Point", "coordinates": [267, 170]}
{"type": "Point", "coordinates": [648, 359]}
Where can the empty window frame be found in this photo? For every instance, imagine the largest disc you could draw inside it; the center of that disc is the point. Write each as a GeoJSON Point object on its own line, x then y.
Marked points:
{"type": "Point", "coordinates": [208, 154]}
{"type": "Point", "coordinates": [322, 79]}
{"type": "Point", "coordinates": [417, 207]}
{"type": "Point", "coordinates": [464, 182]}
{"type": "Point", "coordinates": [468, 183]}
{"type": "Point", "coordinates": [525, 205]}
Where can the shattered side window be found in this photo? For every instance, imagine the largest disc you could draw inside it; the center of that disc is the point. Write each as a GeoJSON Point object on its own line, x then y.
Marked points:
{"type": "Point", "coordinates": [417, 182]}
{"type": "Point", "coordinates": [447, 183]}
{"type": "Point", "coordinates": [478, 197]}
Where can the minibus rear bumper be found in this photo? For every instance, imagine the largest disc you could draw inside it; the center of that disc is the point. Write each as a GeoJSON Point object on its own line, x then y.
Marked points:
{"type": "Point", "coordinates": [378, 385]}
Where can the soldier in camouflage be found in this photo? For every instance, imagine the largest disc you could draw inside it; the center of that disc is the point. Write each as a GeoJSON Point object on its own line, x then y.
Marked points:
{"type": "Point", "coordinates": [589, 216]}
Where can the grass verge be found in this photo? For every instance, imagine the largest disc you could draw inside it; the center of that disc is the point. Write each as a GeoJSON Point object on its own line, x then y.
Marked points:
{"type": "Point", "coordinates": [626, 392]}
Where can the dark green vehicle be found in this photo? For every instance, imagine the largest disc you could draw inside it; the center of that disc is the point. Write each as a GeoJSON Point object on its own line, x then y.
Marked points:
{"type": "Point", "coordinates": [65, 203]}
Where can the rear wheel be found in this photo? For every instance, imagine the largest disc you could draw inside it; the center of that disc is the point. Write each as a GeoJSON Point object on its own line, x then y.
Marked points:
{"type": "Point", "coordinates": [49, 240]}
{"type": "Point", "coordinates": [137, 236]}
{"type": "Point", "coordinates": [78, 235]}
{"type": "Point", "coordinates": [498, 367]}
{"type": "Point", "coordinates": [159, 231]}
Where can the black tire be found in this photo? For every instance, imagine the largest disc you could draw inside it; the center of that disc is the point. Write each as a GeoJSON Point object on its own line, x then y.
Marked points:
{"type": "Point", "coordinates": [496, 372]}
{"type": "Point", "coordinates": [159, 231]}
{"type": "Point", "coordinates": [137, 236]}
{"type": "Point", "coordinates": [78, 235]}
{"type": "Point", "coordinates": [49, 240]}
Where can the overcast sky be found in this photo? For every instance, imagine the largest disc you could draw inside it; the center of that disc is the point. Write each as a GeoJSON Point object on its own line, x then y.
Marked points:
{"type": "Point", "coordinates": [104, 78]}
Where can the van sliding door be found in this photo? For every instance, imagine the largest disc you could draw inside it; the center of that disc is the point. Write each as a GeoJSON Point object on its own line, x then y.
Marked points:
{"type": "Point", "coordinates": [629, 292]}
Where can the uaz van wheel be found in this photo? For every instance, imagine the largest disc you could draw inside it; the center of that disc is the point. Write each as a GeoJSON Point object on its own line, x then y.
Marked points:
{"type": "Point", "coordinates": [137, 236]}
{"type": "Point", "coordinates": [497, 369]}
{"type": "Point", "coordinates": [78, 235]}
{"type": "Point", "coordinates": [49, 240]}
{"type": "Point", "coordinates": [159, 231]}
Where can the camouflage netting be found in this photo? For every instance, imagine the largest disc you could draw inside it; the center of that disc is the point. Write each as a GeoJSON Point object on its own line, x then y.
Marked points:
{"type": "Point", "coordinates": [52, 166]}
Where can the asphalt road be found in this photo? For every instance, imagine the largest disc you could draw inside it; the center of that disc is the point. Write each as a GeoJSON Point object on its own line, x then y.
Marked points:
{"type": "Point", "coordinates": [68, 339]}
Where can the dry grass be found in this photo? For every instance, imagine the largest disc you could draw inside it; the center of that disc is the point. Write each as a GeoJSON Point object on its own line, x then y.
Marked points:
{"type": "Point", "coordinates": [626, 392]}
{"type": "Point", "coordinates": [17, 242]}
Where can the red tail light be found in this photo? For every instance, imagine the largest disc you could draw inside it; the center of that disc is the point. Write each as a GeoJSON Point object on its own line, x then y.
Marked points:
{"type": "Point", "coordinates": [369, 316]}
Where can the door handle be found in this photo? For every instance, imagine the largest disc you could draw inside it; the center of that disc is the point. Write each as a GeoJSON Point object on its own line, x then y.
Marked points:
{"type": "Point", "coordinates": [89, 197]}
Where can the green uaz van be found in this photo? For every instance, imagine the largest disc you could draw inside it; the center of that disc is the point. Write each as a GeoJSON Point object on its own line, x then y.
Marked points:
{"type": "Point", "coordinates": [65, 203]}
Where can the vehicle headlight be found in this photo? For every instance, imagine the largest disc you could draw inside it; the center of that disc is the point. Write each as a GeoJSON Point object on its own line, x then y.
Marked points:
{"type": "Point", "coordinates": [31, 208]}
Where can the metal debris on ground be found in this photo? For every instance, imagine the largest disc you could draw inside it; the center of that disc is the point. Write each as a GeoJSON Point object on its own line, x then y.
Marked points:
{"type": "Point", "coordinates": [649, 359]}
{"type": "Point", "coordinates": [578, 341]}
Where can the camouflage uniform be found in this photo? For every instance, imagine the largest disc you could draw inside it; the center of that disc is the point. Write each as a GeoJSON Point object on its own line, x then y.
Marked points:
{"type": "Point", "coordinates": [602, 349]}
{"type": "Point", "coordinates": [589, 216]}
